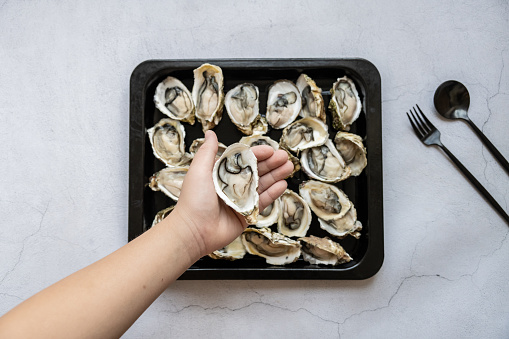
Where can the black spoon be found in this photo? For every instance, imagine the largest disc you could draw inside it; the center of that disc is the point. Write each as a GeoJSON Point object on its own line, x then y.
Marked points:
{"type": "Point", "coordinates": [452, 101]}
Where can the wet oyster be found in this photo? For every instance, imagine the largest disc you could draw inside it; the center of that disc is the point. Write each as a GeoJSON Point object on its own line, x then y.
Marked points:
{"type": "Point", "coordinates": [169, 180]}
{"type": "Point", "coordinates": [345, 104]}
{"type": "Point", "coordinates": [242, 105]}
{"type": "Point", "coordinates": [324, 163]}
{"type": "Point", "coordinates": [283, 104]}
{"type": "Point", "coordinates": [346, 225]}
{"type": "Point", "coordinates": [208, 95]}
{"type": "Point", "coordinates": [274, 247]}
{"type": "Point", "coordinates": [161, 215]}
{"type": "Point", "coordinates": [295, 216]}
{"type": "Point", "coordinates": [323, 251]}
{"type": "Point", "coordinates": [270, 215]}
{"type": "Point", "coordinates": [325, 200]}
{"type": "Point", "coordinates": [255, 140]}
{"type": "Point", "coordinates": [304, 133]}
{"type": "Point", "coordinates": [174, 99]}
{"type": "Point", "coordinates": [235, 177]}
{"type": "Point", "coordinates": [312, 100]}
{"type": "Point", "coordinates": [167, 139]}
{"type": "Point", "coordinates": [352, 150]}
{"type": "Point", "coordinates": [196, 144]}
{"type": "Point", "coordinates": [233, 251]}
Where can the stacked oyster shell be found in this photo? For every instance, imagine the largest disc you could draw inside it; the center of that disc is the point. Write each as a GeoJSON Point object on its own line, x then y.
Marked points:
{"type": "Point", "coordinates": [295, 112]}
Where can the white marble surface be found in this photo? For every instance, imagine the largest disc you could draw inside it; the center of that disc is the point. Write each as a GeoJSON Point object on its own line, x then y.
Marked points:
{"type": "Point", "coordinates": [64, 84]}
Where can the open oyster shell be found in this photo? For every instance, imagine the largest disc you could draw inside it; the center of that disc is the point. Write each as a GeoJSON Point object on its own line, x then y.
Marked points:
{"type": "Point", "coordinates": [161, 215]}
{"type": "Point", "coordinates": [304, 133]}
{"type": "Point", "coordinates": [345, 104]}
{"type": "Point", "coordinates": [169, 180]}
{"type": "Point", "coordinates": [167, 140]}
{"type": "Point", "coordinates": [324, 163]}
{"type": "Point", "coordinates": [174, 99]}
{"type": "Point", "coordinates": [235, 177]}
{"type": "Point", "coordinates": [270, 215]}
{"type": "Point", "coordinates": [312, 100]}
{"type": "Point", "coordinates": [274, 247]}
{"type": "Point", "coordinates": [243, 106]}
{"type": "Point", "coordinates": [233, 251]}
{"type": "Point", "coordinates": [208, 95]}
{"type": "Point", "coordinates": [295, 216]}
{"type": "Point", "coordinates": [346, 225]}
{"type": "Point", "coordinates": [325, 200]}
{"type": "Point", "coordinates": [196, 144]}
{"type": "Point", "coordinates": [283, 104]}
{"type": "Point", "coordinates": [255, 140]}
{"type": "Point", "coordinates": [352, 150]}
{"type": "Point", "coordinates": [323, 251]}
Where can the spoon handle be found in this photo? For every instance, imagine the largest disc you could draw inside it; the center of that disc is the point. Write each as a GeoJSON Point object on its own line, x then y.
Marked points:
{"type": "Point", "coordinates": [477, 184]}
{"type": "Point", "coordinates": [490, 146]}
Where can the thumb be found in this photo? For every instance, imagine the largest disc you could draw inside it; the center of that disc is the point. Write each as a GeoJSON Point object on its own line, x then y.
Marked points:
{"type": "Point", "coordinates": [206, 156]}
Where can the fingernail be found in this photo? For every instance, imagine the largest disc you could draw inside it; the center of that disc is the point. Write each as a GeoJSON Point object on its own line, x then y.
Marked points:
{"type": "Point", "coordinates": [208, 134]}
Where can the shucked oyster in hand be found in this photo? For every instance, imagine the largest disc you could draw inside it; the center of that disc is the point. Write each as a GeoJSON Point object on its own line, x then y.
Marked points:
{"type": "Point", "coordinates": [283, 104]}
{"type": "Point", "coordinates": [242, 104]}
{"type": "Point", "coordinates": [208, 95]}
{"type": "Point", "coordinates": [174, 99]}
{"type": "Point", "coordinates": [167, 139]}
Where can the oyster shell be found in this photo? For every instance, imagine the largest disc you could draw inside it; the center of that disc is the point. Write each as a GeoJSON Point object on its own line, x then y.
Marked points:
{"type": "Point", "coordinates": [208, 95]}
{"type": "Point", "coordinates": [325, 200]}
{"type": "Point", "coordinates": [295, 216]}
{"type": "Point", "coordinates": [323, 251]}
{"type": "Point", "coordinates": [174, 99]}
{"type": "Point", "coordinates": [324, 163]}
{"type": "Point", "coordinates": [233, 251]}
{"type": "Point", "coordinates": [169, 180]}
{"type": "Point", "coordinates": [304, 133]}
{"type": "Point", "coordinates": [242, 104]}
{"type": "Point", "coordinates": [274, 247]}
{"type": "Point", "coordinates": [312, 100]}
{"type": "Point", "coordinates": [270, 215]}
{"type": "Point", "coordinates": [161, 215]}
{"type": "Point", "coordinates": [167, 140]}
{"type": "Point", "coordinates": [345, 104]}
{"type": "Point", "coordinates": [196, 144]}
{"type": "Point", "coordinates": [235, 177]}
{"type": "Point", "coordinates": [283, 104]}
{"type": "Point", "coordinates": [255, 140]}
{"type": "Point", "coordinates": [346, 225]}
{"type": "Point", "coordinates": [352, 150]}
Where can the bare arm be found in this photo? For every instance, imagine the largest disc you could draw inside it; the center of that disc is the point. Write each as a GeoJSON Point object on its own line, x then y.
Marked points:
{"type": "Point", "coordinates": [104, 299]}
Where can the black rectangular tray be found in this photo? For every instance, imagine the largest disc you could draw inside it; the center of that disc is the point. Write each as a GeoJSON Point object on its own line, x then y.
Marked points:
{"type": "Point", "coordinates": [365, 191]}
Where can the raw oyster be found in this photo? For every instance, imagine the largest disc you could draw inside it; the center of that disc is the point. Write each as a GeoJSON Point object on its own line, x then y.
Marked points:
{"type": "Point", "coordinates": [312, 100]}
{"type": "Point", "coordinates": [169, 181]}
{"type": "Point", "coordinates": [323, 251]}
{"type": "Point", "coordinates": [174, 99]}
{"type": "Point", "coordinates": [324, 163]}
{"type": "Point", "coordinates": [274, 247]}
{"type": "Point", "coordinates": [295, 216]}
{"type": "Point", "coordinates": [233, 251]}
{"type": "Point", "coordinates": [208, 95]}
{"type": "Point", "coordinates": [255, 140]}
{"type": "Point", "coordinates": [325, 200]}
{"type": "Point", "coordinates": [161, 215]}
{"type": "Point", "coordinates": [352, 150]}
{"type": "Point", "coordinates": [270, 215]}
{"type": "Point", "coordinates": [167, 139]}
{"type": "Point", "coordinates": [196, 144]}
{"type": "Point", "coordinates": [345, 104]}
{"type": "Point", "coordinates": [346, 225]}
{"type": "Point", "coordinates": [283, 104]}
{"type": "Point", "coordinates": [304, 133]}
{"type": "Point", "coordinates": [242, 104]}
{"type": "Point", "coordinates": [235, 177]}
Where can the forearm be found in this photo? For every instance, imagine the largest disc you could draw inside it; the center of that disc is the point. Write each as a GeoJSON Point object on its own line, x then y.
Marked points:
{"type": "Point", "coordinates": [105, 298]}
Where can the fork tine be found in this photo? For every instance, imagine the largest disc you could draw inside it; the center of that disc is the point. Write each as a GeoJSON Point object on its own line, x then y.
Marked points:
{"type": "Point", "coordinates": [423, 124]}
{"type": "Point", "coordinates": [427, 121]}
{"type": "Point", "coordinates": [417, 131]}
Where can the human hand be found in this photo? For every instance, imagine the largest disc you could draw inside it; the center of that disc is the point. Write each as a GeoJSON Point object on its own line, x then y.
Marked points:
{"type": "Point", "coordinates": [203, 217]}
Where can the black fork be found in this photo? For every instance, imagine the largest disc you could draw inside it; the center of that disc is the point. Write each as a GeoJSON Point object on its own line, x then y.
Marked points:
{"type": "Point", "coordinates": [430, 135]}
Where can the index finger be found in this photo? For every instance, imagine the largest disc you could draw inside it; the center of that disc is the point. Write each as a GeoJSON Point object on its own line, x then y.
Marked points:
{"type": "Point", "coordinates": [262, 152]}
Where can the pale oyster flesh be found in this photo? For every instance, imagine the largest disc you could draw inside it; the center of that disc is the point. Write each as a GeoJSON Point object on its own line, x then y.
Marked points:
{"type": "Point", "coordinates": [324, 163]}
{"type": "Point", "coordinates": [235, 177]}
{"type": "Point", "coordinates": [352, 150]}
{"type": "Point", "coordinates": [345, 104]}
{"type": "Point", "coordinates": [196, 144]}
{"type": "Point", "coordinates": [325, 200]}
{"type": "Point", "coordinates": [270, 214]}
{"type": "Point", "coordinates": [312, 100]}
{"type": "Point", "coordinates": [233, 251]}
{"type": "Point", "coordinates": [242, 105]}
{"type": "Point", "coordinates": [283, 104]}
{"type": "Point", "coordinates": [346, 225]}
{"type": "Point", "coordinates": [169, 180]}
{"type": "Point", "coordinates": [174, 99]}
{"type": "Point", "coordinates": [323, 251]}
{"type": "Point", "coordinates": [274, 247]}
{"type": "Point", "coordinates": [255, 140]}
{"type": "Point", "coordinates": [304, 133]}
{"type": "Point", "coordinates": [167, 140]}
{"type": "Point", "coordinates": [295, 216]}
{"type": "Point", "coordinates": [208, 95]}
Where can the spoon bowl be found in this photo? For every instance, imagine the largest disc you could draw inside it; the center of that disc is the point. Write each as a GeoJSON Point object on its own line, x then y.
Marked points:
{"type": "Point", "coordinates": [452, 100]}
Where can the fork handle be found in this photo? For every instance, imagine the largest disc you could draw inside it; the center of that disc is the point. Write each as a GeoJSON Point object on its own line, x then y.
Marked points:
{"type": "Point", "coordinates": [501, 160]}
{"type": "Point", "coordinates": [477, 184]}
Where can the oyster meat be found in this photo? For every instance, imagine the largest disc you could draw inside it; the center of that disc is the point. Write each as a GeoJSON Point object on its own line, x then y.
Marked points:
{"type": "Point", "coordinates": [274, 247]}
{"type": "Point", "coordinates": [346, 225]}
{"type": "Point", "coordinates": [270, 215]}
{"type": "Point", "coordinates": [169, 180]}
{"type": "Point", "coordinates": [325, 200]}
{"type": "Point", "coordinates": [167, 140]}
{"type": "Point", "coordinates": [208, 95]}
{"type": "Point", "coordinates": [304, 133]}
{"type": "Point", "coordinates": [312, 100]}
{"type": "Point", "coordinates": [283, 104]}
{"type": "Point", "coordinates": [255, 140]}
{"type": "Point", "coordinates": [324, 163]}
{"type": "Point", "coordinates": [196, 144]}
{"type": "Point", "coordinates": [235, 177]}
{"type": "Point", "coordinates": [242, 104]}
{"type": "Point", "coordinates": [295, 216]}
{"type": "Point", "coordinates": [174, 99]}
{"type": "Point", "coordinates": [323, 251]}
{"type": "Point", "coordinates": [345, 104]}
{"type": "Point", "coordinates": [352, 150]}
{"type": "Point", "coordinates": [161, 215]}
{"type": "Point", "coordinates": [233, 251]}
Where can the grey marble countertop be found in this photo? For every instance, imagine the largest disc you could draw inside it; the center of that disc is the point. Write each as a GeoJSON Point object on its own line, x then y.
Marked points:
{"type": "Point", "coordinates": [64, 117]}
